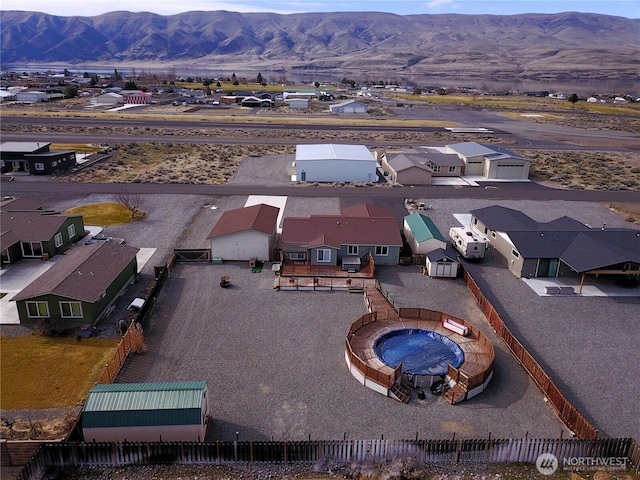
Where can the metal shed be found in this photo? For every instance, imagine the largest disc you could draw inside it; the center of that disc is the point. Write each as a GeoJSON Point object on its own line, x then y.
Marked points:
{"type": "Point", "coordinates": [146, 412]}
{"type": "Point", "coordinates": [335, 163]}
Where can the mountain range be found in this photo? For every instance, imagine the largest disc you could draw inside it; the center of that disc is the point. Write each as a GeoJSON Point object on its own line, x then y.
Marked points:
{"type": "Point", "coordinates": [532, 46]}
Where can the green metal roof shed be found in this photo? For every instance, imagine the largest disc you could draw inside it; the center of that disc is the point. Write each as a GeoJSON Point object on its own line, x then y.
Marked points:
{"type": "Point", "coordinates": [167, 411]}
{"type": "Point", "coordinates": [422, 234]}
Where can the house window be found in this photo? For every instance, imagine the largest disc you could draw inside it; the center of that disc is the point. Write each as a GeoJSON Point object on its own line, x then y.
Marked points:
{"type": "Point", "coordinates": [71, 230]}
{"type": "Point", "coordinates": [352, 249]}
{"type": "Point", "coordinates": [31, 249]}
{"type": "Point", "coordinates": [382, 250]}
{"type": "Point", "coordinates": [71, 309]}
{"type": "Point", "coordinates": [297, 255]}
{"type": "Point", "coordinates": [324, 255]}
{"type": "Point", "coordinates": [436, 168]}
{"type": "Point", "coordinates": [58, 239]}
{"type": "Point", "coordinates": [38, 309]}
{"type": "Point", "coordinates": [452, 169]}
{"type": "Point", "coordinates": [493, 234]}
{"type": "Point", "coordinates": [39, 167]}
{"type": "Point", "coordinates": [515, 254]}
{"type": "Point", "coordinates": [1, 163]}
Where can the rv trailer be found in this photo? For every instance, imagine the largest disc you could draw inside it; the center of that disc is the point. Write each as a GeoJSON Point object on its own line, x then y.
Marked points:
{"type": "Point", "coordinates": [470, 244]}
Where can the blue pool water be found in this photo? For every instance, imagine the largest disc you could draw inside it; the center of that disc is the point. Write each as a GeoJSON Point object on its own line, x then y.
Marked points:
{"type": "Point", "coordinates": [421, 352]}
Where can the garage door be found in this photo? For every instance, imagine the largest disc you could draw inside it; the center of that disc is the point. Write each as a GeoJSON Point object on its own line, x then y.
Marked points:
{"type": "Point", "coordinates": [510, 171]}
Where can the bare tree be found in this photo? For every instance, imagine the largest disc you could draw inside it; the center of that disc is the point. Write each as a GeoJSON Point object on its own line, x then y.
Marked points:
{"type": "Point", "coordinates": [130, 201]}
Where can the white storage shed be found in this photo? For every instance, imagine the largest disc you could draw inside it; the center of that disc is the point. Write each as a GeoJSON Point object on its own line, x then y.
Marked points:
{"type": "Point", "coordinates": [441, 264]}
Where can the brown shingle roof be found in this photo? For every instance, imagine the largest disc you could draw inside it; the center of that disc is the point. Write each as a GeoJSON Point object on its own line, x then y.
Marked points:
{"type": "Point", "coordinates": [13, 204]}
{"type": "Point", "coordinates": [32, 226]}
{"type": "Point", "coordinates": [260, 217]}
{"type": "Point", "coordinates": [342, 230]}
{"type": "Point", "coordinates": [84, 273]}
{"type": "Point", "coordinates": [365, 210]}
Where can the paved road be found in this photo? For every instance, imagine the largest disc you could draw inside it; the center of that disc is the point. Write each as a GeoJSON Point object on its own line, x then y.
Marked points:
{"type": "Point", "coordinates": [495, 191]}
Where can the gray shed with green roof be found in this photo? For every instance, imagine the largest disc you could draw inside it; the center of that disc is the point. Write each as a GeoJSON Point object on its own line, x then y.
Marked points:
{"type": "Point", "coordinates": [146, 412]}
{"type": "Point", "coordinates": [422, 234]}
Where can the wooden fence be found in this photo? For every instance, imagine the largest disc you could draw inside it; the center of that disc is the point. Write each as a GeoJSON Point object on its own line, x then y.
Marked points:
{"type": "Point", "coordinates": [452, 451]}
{"type": "Point", "coordinates": [563, 407]}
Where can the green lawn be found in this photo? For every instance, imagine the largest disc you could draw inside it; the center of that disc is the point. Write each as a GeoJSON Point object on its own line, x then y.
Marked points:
{"type": "Point", "coordinates": [40, 372]}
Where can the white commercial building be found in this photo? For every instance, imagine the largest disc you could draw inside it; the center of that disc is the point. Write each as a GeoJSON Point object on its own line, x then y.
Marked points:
{"type": "Point", "coordinates": [335, 163]}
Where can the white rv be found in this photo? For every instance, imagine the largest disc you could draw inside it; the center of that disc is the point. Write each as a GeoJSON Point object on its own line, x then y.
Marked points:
{"type": "Point", "coordinates": [469, 243]}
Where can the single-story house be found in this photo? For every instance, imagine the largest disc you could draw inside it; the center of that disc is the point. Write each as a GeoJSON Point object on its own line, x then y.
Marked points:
{"type": "Point", "coordinates": [559, 248]}
{"type": "Point", "coordinates": [146, 412]}
{"type": "Point", "coordinates": [80, 287]}
{"type": "Point", "coordinates": [110, 98]}
{"type": "Point", "coordinates": [136, 97]}
{"type": "Point", "coordinates": [422, 234]}
{"type": "Point", "coordinates": [34, 158]}
{"type": "Point", "coordinates": [335, 163]}
{"type": "Point", "coordinates": [442, 264]}
{"type": "Point", "coordinates": [407, 168]}
{"type": "Point", "coordinates": [245, 233]}
{"type": "Point", "coordinates": [37, 234]}
{"type": "Point", "coordinates": [328, 239]}
{"type": "Point", "coordinates": [419, 166]}
{"type": "Point", "coordinates": [297, 102]}
{"type": "Point", "coordinates": [443, 164]}
{"type": "Point", "coordinates": [348, 106]}
{"type": "Point", "coordinates": [490, 161]}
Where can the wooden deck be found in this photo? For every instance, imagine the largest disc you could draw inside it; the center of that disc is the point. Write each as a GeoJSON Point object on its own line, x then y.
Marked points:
{"type": "Point", "coordinates": [478, 351]}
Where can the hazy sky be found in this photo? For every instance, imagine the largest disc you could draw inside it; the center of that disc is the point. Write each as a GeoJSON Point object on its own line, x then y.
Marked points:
{"type": "Point", "coordinates": [623, 8]}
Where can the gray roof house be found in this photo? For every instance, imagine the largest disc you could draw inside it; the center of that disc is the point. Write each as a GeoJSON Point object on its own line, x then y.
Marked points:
{"type": "Point", "coordinates": [561, 247]}
{"type": "Point", "coordinates": [35, 233]}
{"type": "Point", "coordinates": [407, 168]}
{"type": "Point", "coordinates": [79, 288]}
{"type": "Point", "coordinates": [490, 161]}
{"type": "Point", "coordinates": [146, 412]}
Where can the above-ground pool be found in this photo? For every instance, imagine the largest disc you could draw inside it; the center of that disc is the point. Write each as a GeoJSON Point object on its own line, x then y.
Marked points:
{"type": "Point", "coordinates": [421, 352]}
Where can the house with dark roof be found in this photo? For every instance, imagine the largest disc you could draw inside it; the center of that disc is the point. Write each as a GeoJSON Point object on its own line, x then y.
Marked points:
{"type": "Point", "coordinates": [35, 233]}
{"type": "Point", "coordinates": [245, 233]}
{"type": "Point", "coordinates": [80, 287]}
{"type": "Point", "coordinates": [559, 248]}
{"type": "Point", "coordinates": [146, 412]}
{"type": "Point", "coordinates": [35, 158]}
{"type": "Point", "coordinates": [330, 239]}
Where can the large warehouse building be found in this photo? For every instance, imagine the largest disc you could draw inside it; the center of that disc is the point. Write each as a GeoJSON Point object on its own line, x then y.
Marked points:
{"type": "Point", "coordinates": [335, 163]}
